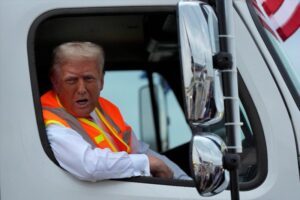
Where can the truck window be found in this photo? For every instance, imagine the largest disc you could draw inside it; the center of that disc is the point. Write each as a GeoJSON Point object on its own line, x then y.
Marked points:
{"type": "Point", "coordinates": [125, 40]}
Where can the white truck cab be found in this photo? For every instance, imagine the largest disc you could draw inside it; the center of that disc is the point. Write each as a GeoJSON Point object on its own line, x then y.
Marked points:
{"type": "Point", "coordinates": [165, 76]}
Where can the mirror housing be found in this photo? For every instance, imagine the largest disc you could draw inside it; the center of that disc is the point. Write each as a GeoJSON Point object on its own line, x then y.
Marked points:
{"type": "Point", "coordinates": [198, 32]}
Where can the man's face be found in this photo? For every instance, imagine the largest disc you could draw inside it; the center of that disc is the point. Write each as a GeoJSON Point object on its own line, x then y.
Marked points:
{"type": "Point", "coordinates": [78, 84]}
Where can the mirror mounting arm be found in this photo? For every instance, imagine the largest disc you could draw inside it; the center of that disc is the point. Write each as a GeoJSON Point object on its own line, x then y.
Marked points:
{"type": "Point", "coordinates": [231, 162]}
{"type": "Point", "coordinates": [224, 9]}
{"type": "Point", "coordinates": [222, 61]}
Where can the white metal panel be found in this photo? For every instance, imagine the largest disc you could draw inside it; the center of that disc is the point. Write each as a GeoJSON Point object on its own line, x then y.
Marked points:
{"type": "Point", "coordinates": [26, 172]}
{"type": "Point", "coordinates": [283, 176]}
{"type": "Point", "coordinates": [291, 104]}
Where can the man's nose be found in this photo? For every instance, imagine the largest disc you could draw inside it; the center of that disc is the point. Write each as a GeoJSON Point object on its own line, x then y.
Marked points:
{"type": "Point", "coordinates": [81, 87]}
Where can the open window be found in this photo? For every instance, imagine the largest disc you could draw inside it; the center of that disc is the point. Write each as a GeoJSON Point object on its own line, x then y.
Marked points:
{"type": "Point", "coordinates": [142, 66]}
{"type": "Point", "coordinates": [143, 40]}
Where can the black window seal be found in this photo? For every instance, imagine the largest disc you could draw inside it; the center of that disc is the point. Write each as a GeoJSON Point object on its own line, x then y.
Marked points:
{"type": "Point", "coordinates": [259, 138]}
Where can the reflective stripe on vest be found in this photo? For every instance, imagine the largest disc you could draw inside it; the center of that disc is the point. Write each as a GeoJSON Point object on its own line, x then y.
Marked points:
{"type": "Point", "coordinates": [69, 121]}
{"type": "Point", "coordinates": [114, 130]}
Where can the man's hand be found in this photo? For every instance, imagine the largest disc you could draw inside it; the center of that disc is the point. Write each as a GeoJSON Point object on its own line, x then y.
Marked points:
{"type": "Point", "coordinates": [159, 169]}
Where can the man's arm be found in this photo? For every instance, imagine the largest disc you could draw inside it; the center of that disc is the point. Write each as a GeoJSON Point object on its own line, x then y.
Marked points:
{"type": "Point", "coordinates": [78, 157]}
{"type": "Point", "coordinates": [143, 148]}
{"type": "Point", "coordinates": [159, 168]}
{"type": "Point", "coordinates": [178, 173]}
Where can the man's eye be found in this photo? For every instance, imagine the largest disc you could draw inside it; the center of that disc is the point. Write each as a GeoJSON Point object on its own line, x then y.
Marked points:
{"type": "Point", "coordinates": [89, 78]}
{"type": "Point", "coordinates": [71, 81]}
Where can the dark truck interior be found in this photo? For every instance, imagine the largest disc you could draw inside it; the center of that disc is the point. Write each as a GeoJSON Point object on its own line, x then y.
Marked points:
{"type": "Point", "coordinates": [130, 40]}
{"type": "Point", "coordinates": [145, 39]}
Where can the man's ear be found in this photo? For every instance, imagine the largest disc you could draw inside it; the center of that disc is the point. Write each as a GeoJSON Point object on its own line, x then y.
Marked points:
{"type": "Point", "coordinates": [101, 82]}
{"type": "Point", "coordinates": [54, 83]}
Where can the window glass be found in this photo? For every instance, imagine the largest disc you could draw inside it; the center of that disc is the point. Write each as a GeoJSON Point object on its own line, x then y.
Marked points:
{"type": "Point", "coordinates": [123, 88]}
{"type": "Point", "coordinates": [178, 130]}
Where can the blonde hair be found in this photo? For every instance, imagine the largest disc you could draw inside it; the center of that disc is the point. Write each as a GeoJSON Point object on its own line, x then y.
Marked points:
{"type": "Point", "coordinates": [76, 50]}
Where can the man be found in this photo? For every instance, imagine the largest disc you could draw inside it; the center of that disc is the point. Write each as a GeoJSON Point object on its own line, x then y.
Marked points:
{"type": "Point", "coordinates": [87, 133]}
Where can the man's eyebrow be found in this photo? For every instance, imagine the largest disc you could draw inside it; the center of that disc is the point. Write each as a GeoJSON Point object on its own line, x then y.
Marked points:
{"type": "Point", "coordinates": [70, 77]}
{"type": "Point", "coordinates": [89, 75]}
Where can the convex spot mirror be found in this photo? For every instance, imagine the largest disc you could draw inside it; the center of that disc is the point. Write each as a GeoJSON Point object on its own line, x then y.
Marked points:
{"type": "Point", "coordinates": [198, 32]}
{"type": "Point", "coordinates": [207, 164]}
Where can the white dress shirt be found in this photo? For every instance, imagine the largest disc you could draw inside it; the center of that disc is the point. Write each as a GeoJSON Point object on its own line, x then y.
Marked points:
{"type": "Point", "coordinates": [78, 157]}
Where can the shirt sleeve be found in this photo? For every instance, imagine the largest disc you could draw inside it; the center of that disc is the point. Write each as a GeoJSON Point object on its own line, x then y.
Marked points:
{"type": "Point", "coordinates": [78, 157]}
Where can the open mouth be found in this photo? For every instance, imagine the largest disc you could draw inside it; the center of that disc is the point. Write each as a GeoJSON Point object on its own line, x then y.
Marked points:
{"type": "Point", "coordinates": [82, 102]}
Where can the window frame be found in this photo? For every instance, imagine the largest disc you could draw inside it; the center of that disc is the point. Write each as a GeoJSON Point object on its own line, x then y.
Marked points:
{"type": "Point", "coordinates": [258, 136]}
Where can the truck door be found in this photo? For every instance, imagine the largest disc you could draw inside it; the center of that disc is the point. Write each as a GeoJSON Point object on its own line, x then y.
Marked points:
{"type": "Point", "coordinates": [140, 40]}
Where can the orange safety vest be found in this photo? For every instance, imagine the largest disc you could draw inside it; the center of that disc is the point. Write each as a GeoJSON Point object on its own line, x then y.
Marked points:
{"type": "Point", "coordinates": [109, 114]}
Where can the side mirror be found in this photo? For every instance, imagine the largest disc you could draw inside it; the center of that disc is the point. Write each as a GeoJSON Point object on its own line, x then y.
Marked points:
{"type": "Point", "coordinates": [207, 162]}
{"type": "Point", "coordinates": [204, 105]}
{"type": "Point", "coordinates": [198, 32]}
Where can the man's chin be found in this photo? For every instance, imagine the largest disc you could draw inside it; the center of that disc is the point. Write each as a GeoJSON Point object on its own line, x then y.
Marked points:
{"type": "Point", "coordinates": [82, 113]}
